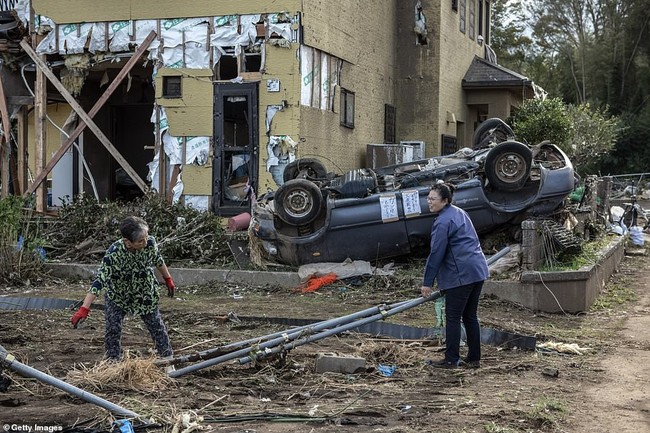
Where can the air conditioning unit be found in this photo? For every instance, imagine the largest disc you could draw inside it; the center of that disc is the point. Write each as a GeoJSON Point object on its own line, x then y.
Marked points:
{"type": "Point", "coordinates": [381, 155]}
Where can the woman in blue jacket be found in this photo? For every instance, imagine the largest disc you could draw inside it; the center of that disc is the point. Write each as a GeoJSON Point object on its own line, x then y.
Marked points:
{"type": "Point", "coordinates": [458, 265]}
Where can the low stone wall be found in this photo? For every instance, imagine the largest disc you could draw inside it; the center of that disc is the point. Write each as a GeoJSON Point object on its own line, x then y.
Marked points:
{"type": "Point", "coordinates": [564, 291]}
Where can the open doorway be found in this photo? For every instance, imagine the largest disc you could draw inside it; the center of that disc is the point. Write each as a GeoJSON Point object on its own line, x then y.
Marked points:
{"type": "Point", "coordinates": [235, 147]}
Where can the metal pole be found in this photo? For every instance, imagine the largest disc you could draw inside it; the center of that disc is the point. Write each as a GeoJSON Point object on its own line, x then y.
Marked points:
{"type": "Point", "coordinates": [24, 370]}
{"type": "Point", "coordinates": [398, 309]}
{"type": "Point", "coordinates": [211, 353]}
{"type": "Point", "coordinates": [282, 339]}
{"type": "Point", "coordinates": [497, 256]}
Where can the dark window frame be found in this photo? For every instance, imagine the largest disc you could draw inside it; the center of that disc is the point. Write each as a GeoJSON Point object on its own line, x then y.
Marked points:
{"type": "Point", "coordinates": [390, 123]}
{"type": "Point", "coordinates": [347, 108]}
{"type": "Point", "coordinates": [172, 86]}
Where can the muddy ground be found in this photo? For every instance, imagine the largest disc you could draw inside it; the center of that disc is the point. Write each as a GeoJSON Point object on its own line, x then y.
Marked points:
{"type": "Point", "coordinates": [514, 390]}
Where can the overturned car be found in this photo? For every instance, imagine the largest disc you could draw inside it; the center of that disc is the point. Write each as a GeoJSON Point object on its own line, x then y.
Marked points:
{"type": "Point", "coordinates": [371, 214]}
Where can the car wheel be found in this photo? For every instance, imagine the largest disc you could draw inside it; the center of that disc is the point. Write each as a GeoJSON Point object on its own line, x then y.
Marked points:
{"type": "Point", "coordinates": [305, 168]}
{"type": "Point", "coordinates": [298, 201]}
{"type": "Point", "coordinates": [507, 166]}
{"type": "Point", "coordinates": [494, 129]}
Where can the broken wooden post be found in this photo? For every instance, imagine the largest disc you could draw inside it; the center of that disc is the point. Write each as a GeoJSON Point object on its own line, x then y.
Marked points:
{"type": "Point", "coordinates": [5, 151]}
{"type": "Point", "coordinates": [40, 114]}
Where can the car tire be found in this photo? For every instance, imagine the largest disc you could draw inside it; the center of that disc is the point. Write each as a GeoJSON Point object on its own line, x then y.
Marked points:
{"type": "Point", "coordinates": [507, 165]}
{"type": "Point", "coordinates": [298, 202]}
{"type": "Point", "coordinates": [305, 168]}
{"type": "Point", "coordinates": [502, 132]}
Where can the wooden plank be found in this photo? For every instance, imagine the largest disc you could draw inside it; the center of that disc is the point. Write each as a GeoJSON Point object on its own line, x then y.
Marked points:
{"type": "Point", "coordinates": [22, 149]}
{"type": "Point", "coordinates": [42, 174]}
{"type": "Point", "coordinates": [40, 113]}
{"type": "Point", "coordinates": [86, 118]}
{"type": "Point", "coordinates": [5, 152]}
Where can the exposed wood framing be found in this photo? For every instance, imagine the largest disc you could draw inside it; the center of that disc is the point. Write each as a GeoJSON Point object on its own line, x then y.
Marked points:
{"type": "Point", "coordinates": [40, 113]}
{"type": "Point", "coordinates": [21, 175]}
{"type": "Point", "coordinates": [86, 119]}
{"type": "Point", "coordinates": [5, 142]}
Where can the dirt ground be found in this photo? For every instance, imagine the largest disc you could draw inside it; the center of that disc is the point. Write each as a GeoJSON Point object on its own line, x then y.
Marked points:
{"type": "Point", "coordinates": [604, 389]}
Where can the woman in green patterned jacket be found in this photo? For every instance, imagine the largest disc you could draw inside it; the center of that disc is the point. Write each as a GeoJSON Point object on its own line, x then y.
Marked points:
{"type": "Point", "coordinates": [126, 277]}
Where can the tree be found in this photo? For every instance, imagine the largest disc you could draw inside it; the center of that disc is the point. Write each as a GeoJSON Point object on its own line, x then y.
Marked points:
{"type": "Point", "coordinates": [585, 134]}
{"type": "Point", "coordinates": [594, 135]}
{"type": "Point", "coordinates": [509, 40]}
{"type": "Point", "coordinates": [537, 120]}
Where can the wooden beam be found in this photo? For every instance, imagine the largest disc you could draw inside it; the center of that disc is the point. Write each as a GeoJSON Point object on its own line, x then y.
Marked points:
{"type": "Point", "coordinates": [5, 151]}
{"type": "Point", "coordinates": [40, 113]}
{"type": "Point", "coordinates": [93, 111]}
{"type": "Point", "coordinates": [22, 148]}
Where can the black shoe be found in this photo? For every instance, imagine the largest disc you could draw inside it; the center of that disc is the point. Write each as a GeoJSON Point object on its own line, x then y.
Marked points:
{"type": "Point", "coordinates": [471, 364]}
{"type": "Point", "coordinates": [443, 364]}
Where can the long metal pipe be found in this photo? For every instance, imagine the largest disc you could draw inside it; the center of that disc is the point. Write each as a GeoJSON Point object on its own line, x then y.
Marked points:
{"type": "Point", "coordinates": [283, 338]}
{"type": "Point", "coordinates": [346, 327]}
{"type": "Point", "coordinates": [24, 370]}
{"type": "Point", "coordinates": [228, 348]}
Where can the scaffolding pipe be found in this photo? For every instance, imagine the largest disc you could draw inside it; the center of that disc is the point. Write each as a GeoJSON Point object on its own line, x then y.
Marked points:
{"type": "Point", "coordinates": [405, 306]}
{"type": "Point", "coordinates": [9, 360]}
{"type": "Point", "coordinates": [284, 337]}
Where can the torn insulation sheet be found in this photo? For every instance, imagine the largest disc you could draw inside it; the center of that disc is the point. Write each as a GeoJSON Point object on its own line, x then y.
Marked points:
{"type": "Point", "coordinates": [281, 151]}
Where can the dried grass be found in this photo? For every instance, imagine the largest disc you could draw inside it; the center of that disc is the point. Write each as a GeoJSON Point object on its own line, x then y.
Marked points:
{"type": "Point", "coordinates": [134, 374]}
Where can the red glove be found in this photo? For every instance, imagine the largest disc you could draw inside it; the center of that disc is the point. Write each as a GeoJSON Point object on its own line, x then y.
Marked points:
{"type": "Point", "coordinates": [170, 287]}
{"type": "Point", "coordinates": [79, 317]}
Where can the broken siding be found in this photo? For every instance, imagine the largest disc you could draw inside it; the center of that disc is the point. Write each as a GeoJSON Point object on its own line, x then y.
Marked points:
{"type": "Point", "coordinates": [77, 11]}
{"type": "Point", "coordinates": [58, 113]}
{"type": "Point", "coordinates": [279, 104]}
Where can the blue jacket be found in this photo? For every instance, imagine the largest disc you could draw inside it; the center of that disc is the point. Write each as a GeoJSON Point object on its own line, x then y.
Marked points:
{"type": "Point", "coordinates": [456, 258]}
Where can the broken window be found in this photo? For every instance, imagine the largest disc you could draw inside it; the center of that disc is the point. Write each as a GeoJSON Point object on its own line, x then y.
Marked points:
{"type": "Point", "coordinates": [480, 17]}
{"type": "Point", "coordinates": [171, 87]}
{"type": "Point", "coordinates": [449, 144]}
{"type": "Point", "coordinates": [227, 67]}
{"type": "Point", "coordinates": [420, 26]}
{"type": "Point", "coordinates": [454, 5]}
{"type": "Point", "coordinates": [347, 108]}
{"type": "Point", "coordinates": [320, 74]}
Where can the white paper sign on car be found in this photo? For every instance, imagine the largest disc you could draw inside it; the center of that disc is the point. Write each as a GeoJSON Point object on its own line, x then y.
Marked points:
{"type": "Point", "coordinates": [411, 203]}
{"type": "Point", "coordinates": [388, 205]}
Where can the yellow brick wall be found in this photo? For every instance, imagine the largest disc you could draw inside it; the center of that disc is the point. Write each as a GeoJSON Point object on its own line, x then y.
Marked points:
{"type": "Point", "coordinates": [362, 34]}
{"type": "Point", "coordinates": [190, 115]}
{"type": "Point", "coordinates": [456, 46]}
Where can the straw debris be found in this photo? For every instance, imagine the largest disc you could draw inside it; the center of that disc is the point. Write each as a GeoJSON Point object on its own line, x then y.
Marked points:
{"type": "Point", "coordinates": [134, 374]}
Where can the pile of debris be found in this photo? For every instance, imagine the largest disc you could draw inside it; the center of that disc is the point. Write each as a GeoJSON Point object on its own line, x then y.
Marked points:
{"type": "Point", "coordinates": [85, 228]}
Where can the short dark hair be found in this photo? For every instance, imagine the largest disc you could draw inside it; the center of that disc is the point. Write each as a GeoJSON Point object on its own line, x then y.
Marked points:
{"type": "Point", "coordinates": [132, 228]}
{"type": "Point", "coordinates": [444, 190]}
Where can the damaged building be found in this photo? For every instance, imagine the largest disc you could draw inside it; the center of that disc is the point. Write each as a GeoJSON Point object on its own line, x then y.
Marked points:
{"type": "Point", "coordinates": [206, 102]}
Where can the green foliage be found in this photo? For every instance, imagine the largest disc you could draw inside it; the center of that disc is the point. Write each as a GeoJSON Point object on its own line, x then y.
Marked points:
{"type": "Point", "coordinates": [538, 120]}
{"type": "Point", "coordinates": [20, 246]}
{"type": "Point", "coordinates": [594, 135]}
